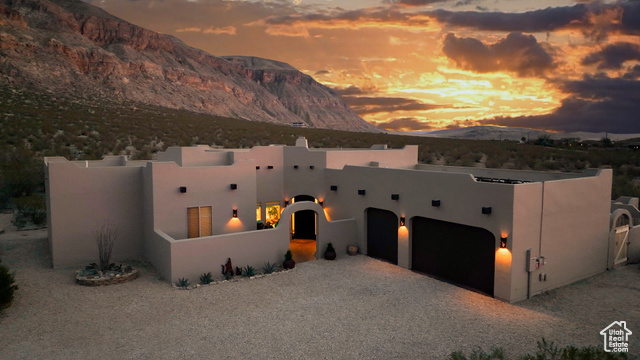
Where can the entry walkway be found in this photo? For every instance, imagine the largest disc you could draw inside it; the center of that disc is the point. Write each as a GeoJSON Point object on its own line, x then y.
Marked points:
{"type": "Point", "coordinates": [303, 250]}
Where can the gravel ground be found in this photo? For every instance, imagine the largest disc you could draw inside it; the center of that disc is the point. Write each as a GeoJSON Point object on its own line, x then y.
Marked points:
{"type": "Point", "coordinates": [352, 308]}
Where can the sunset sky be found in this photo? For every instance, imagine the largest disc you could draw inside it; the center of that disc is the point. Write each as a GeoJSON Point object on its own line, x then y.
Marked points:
{"type": "Point", "coordinates": [563, 65]}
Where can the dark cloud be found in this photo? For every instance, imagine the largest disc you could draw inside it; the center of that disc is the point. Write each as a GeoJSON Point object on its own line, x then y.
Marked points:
{"type": "Point", "coordinates": [633, 73]}
{"type": "Point", "coordinates": [404, 124]}
{"type": "Point", "coordinates": [412, 3]}
{"type": "Point", "coordinates": [322, 72]}
{"type": "Point", "coordinates": [597, 105]}
{"type": "Point", "coordinates": [630, 21]}
{"type": "Point", "coordinates": [351, 90]}
{"type": "Point", "coordinates": [367, 16]}
{"type": "Point", "coordinates": [613, 55]}
{"type": "Point", "coordinates": [517, 53]}
{"type": "Point", "coordinates": [372, 105]}
{"type": "Point", "coordinates": [548, 19]}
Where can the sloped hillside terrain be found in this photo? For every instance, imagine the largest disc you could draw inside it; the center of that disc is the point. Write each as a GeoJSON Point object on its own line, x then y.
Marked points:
{"type": "Point", "coordinates": [68, 46]}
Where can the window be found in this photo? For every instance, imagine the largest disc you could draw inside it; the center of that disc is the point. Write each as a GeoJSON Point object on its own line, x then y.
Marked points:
{"type": "Point", "coordinates": [273, 212]}
{"type": "Point", "coordinates": [258, 211]}
{"type": "Point", "coordinates": [199, 221]}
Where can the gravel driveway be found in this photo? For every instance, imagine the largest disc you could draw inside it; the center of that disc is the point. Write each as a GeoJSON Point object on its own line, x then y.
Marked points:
{"type": "Point", "coordinates": [352, 308]}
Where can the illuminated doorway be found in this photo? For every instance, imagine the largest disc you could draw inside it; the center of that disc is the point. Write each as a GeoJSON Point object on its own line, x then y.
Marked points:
{"type": "Point", "coordinates": [304, 225]}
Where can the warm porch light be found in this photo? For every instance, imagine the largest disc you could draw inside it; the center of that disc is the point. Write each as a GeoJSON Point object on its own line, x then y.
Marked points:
{"type": "Point", "coordinates": [503, 242]}
{"type": "Point", "coordinates": [321, 203]}
{"type": "Point", "coordinates": [402, 221]}
{"type": "Point", "coordinates": [235, 213]}
{"type": "Point", "coordinates": [286, 202]}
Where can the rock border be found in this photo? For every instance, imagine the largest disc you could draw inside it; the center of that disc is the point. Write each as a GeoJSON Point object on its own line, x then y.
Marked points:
{"type": "Point", "coordinates": [236, 278]}
{"type": "Point", "coordinates": [107, 279]}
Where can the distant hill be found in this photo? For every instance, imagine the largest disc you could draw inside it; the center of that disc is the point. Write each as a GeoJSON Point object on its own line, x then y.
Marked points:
{"type": "Point", "coordinates": [511, 133]}
{"type": "Point", "coordinates": [74, 48]}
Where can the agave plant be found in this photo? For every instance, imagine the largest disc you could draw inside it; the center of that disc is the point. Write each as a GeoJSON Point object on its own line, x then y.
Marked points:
{"type": "Point", "coordinates": [206, 278]}
{"type": "Point", "coordinates": [183, 283]}
{"type": "Point", "coordinates": [248, 271]}
{"type": "Point", "coordinates": [269, 268]}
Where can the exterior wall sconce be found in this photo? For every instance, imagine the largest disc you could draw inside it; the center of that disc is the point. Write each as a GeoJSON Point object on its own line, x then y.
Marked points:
{"type": "Point", "coordinates": [286, 202]}
{"type": "Point", "coordinates": [234, 186]}
{"type": "Point", "coordinates": [295, 166]}
{"type": "Point", "coordinates": [435, 203]}
{"type": "Point", "coordinates": [503, 242]}
{"type": "Point", "coordinates": [402, 220]}
{"type": "Point", "coordinates": [334, 187]}
{"type": "Point", "coordinates": [183, 189]}
{"type": "Point", "coordinates": [361, 192]}
{"type": "Point", "coordinates": [270, 167]}
{"type": "Point", "coordinates": [321, 203]}
{"type": "Point", "coordinates": [486, 210]}
{"type": "Point", "coordinates": [311, 167]}
{"type": "Point", "coordinates": [235, 213]}
{"type": "Point", "coordinates": [257, 167]}
{"type": "Point", "coordinates": [395, 196]}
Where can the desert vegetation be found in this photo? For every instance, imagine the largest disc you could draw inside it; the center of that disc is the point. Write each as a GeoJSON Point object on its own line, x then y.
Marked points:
{"type": "Point", "coordinates": [547, 350]}
{"type": "Point", "coordinates": [33, 125]}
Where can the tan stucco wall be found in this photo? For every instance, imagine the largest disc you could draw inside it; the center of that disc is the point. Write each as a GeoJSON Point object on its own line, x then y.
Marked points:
{"type": "Point", "coordinates": [575, 230]}
{"type": "Point", "coordinates": [201, 155]}
{"type": "Point", "coordinates": [393, 158]}
{"type": "Point", "coordinates": [191, 258]}
{"type": "Point", "coordinates": [527, 217]}
{"type": "Point", "coordinates": [304, 180]}
{"type": "Point", "coordinates": [461, 199]}
{"type": "Point", "coordinates": [269, 182]}
{"type": "Point", "coordinates": [633, 252]}
{"type": "Point", "coordinates": [206, 186]}
{"type": "Point", "coordinates": [81, 199]}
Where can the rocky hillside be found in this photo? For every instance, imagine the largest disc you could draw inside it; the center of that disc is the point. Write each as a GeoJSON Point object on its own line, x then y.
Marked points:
{"type": "Point", "coordinates": [71, 47]}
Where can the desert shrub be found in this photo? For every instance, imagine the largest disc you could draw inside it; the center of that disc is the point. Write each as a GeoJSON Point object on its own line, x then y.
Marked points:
{"type": "Point", "coordinates": [269, 268]}
{"type": "Point", "coordinates": [206, 278]}
{"type": "Point", "coordinates": [33, 206]}
{"type": "Point", "coordinates": [105, 236]}
{"type": "Point", "coordinates": [248, 271]}
{"type": "Point", "coordinates": [7, 286]}
{"type": "Point", "coordinates": [546, 351]}
{"type": "Point", "coordinates": [183, 283]}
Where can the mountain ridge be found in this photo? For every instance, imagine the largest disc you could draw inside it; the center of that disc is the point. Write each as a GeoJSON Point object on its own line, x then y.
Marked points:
{"type": "Point", "coordinates": [73, 47]}
{"type": "Point", "coordinates": [489, 132]}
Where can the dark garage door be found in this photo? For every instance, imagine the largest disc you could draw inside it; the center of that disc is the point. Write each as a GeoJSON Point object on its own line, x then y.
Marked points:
{"type": "Point", "coordinates": [382, 235]}
{"type": "Point", "coordinates": [458, 253]}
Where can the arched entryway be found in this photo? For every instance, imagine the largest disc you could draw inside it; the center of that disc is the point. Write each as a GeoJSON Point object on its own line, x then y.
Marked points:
{"type": "Point", "coordinates": [304, 231]}
{"type": "Point", "coordinates": [304, 224]}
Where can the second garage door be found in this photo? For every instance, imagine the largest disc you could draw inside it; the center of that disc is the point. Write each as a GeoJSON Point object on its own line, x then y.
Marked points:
{"type": "Point", "coordinates": [458, 253]}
